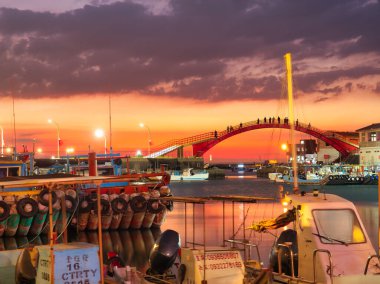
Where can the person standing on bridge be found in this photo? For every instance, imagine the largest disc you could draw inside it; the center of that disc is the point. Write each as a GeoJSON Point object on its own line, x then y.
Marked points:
{"type": "Point", "coordinates": [258, 121]}
{"type": "Point", "coordinates": [241, 125]}
{"type": "Point", "coordinates": [216, 134]}
{"type": "Point", "coordinates": [278, 120]}
{"type": "Point", "coordinates": [265, 120]}
{"type": "Point", "coordinates": [270, 120]}
{"type": "Point", "coordinates": [297, 122]}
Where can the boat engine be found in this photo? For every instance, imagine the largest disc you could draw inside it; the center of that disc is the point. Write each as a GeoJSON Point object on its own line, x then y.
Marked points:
{"type": "Point", "coordinates": [164, 252]}
{"type": "Point", "coordinates": [289, 239]}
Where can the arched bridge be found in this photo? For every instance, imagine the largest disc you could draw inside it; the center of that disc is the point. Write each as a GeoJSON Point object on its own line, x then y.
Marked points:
{"type": "Point", "coordinates": [203, 142]}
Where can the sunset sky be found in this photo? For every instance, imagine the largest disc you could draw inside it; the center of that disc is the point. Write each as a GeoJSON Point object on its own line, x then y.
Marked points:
{"type": "Point", "coordinates": [183, 68]}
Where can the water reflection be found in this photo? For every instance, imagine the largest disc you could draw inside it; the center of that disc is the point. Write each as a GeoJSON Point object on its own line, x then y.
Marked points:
{"type": "Point", "coordinates": [133, 246]}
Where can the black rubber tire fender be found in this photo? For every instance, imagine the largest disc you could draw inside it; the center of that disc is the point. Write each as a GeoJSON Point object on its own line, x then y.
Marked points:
{"type": "Point", "coordinates": [138, 203]}
{"type": "Point", "coordinates": [20, 207]}
{"type": "Point", "coordinates": [6, 210]}
{"type": "Point", "coordinates": [119, 201]}
{"type": "Point", "coordinates": [85, 205]}
{"type": "Point", "coordinates": [73, 203]}
{"type": "Point", "coordinates": [150, 208]}
{"type": "Point", "coordinates": [104, 204]}
{"type": "Point", "coordinates": [45, 202]}
{"type": "Point", "coordinates": [170, 205]}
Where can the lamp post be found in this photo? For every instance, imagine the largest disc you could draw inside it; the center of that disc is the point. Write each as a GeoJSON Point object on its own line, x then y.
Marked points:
{"type": "Point", "coordinates": [100, 134]}
{"type": "Point", "coordinates": [58, 138]}
{"type": "Point", "coordinates": [142, 125]}
{"type": "Point", "coordinates": [284, 147]}
{"type": "Point", "coordinates": [2, 140]}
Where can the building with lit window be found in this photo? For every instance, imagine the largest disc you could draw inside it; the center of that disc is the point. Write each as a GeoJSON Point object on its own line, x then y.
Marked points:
{"type": "Point", "coordinates": [369, 144]}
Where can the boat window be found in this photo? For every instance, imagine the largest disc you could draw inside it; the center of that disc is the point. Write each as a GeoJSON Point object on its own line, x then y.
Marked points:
{"type": "Point", "coordinates": [13, 172]}
{"type": "Point", "coordinates": [338, 225]}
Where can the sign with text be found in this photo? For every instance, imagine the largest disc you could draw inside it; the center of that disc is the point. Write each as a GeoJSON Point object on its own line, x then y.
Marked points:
{"type": "Point", "coordinates": [217, 266]}
{"type": "Point", "coordinates": [74, 263]}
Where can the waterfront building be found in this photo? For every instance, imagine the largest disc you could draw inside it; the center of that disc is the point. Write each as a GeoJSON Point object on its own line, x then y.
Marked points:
{"type": "Point", "coordinates": [369, 144]}
{"type": "Point", "coordinates": [307, 151]}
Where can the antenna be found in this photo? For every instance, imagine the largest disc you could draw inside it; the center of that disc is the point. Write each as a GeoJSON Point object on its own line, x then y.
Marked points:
{"type": "Point", "coordinates": [14, 123]}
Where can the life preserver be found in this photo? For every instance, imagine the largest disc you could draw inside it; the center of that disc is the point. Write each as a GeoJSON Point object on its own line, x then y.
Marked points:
{"type": "Point", "coordinates": [6, 210]}
{"type": "Point", "coordinates": [104, 205]}
{"type": "Point", "coordinates": [138, 203]}
{"type": "Point", "coordinates": [85, 205]}
{"type": "Point", "coordinates": [119, 205]}
{"type": "Point", "coordinates": [331, 177]}
{"type": "Point", "coordinates": [73, 201]}
{"type": "Point", "coordinates": [45, 201]}
{"type": "Point", "coordinates": [22, 203]}
{"type": "Point", "coordinates": [153, 210]}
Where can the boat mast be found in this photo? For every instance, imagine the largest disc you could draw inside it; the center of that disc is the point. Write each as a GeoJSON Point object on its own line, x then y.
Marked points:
{"type": "Point", "coordinates": [110, 122]}
{"type": "Point", "coordinates": [288, 64]}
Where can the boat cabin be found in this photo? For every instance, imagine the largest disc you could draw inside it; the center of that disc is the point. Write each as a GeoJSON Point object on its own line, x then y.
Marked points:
{"type": "Point", "coordinates": [327, 244]}
{"type": "Point", "coordinates": [12, 169]}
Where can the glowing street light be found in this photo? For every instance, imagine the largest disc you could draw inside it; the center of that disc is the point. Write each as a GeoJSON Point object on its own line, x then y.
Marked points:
{"type": "Point", "coordinates": [58, 138]}
{"type": "Point", "coordinates": [99, 133]}
{"type": "Point", "coordinates": [138, 153]}
{"type": "Point", "coordinates": [285, 148]}
{"type": "Point", "coordinates": [69, 150]}
{"type": "Point", "coordinates": [142, 125]}
{"type": "Point", "coordinates": [39, 150]}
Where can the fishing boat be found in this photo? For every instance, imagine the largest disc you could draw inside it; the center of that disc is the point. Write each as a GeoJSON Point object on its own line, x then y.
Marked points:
{"type": "Point", "coordinates": [189, 174]}
{"type": "Point", "coordinates": [324, 240]}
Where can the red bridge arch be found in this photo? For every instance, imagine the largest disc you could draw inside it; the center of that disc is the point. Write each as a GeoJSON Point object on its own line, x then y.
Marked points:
{"type": "Point", "coordinates": [203, 142]}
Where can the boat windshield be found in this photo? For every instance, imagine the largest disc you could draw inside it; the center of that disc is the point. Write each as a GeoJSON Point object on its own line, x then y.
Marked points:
{"type": "Point", "coordinates": [338, 226]}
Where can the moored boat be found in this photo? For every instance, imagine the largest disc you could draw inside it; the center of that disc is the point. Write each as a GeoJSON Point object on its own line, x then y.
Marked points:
{"type": "Point", "coordinates": [189, 174]}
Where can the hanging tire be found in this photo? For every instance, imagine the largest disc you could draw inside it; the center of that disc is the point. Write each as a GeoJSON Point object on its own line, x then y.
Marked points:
{"type": "Point", "coordinates": [119, 205]}
{"type": "Point", "coordinates": [85, 205]}
{"type": "Point", "coordinates": [138, 203]}
{"type": "Point", "coordinates": [73, 201]}
{"type": "Point", "coordinates": [22, 203]}
{"type": "Point", "coordinates": [153, 210]}
{"type": "Point", "coordinates": [45, 201]}
{"type": "Point", "coordinates": [104, 205]}
{"type": "Point", "coordinates": [6, 210]}
{"type": "Point", "coordinates": [170, 205]}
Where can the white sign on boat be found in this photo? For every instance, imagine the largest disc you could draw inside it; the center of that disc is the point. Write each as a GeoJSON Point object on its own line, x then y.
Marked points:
{"type": "Point", "coordinates": [74, 263]}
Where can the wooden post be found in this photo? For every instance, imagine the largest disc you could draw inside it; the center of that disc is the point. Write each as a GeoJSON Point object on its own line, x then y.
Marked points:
{"type": "Point", "coordinates": [204, 244]}
{"type": "Point", "coordinates": [64, 218]}
{"type": "Point", "coordinates": [185, 224]}
{"type": "Point", "coordinates": [100, 234]}
{"type": "Point", "coordinates": [193, 225]}
{"type": "Point", "coordinates": [224, 219]}
{"type": "Point", "coordinates": [51, 242]}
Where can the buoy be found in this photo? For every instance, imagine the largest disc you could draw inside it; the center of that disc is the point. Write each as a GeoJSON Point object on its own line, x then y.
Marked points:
{"type": "Point", "coordinates": [5, 211]}
{"type": "Point", "coordinates": [12, 222]}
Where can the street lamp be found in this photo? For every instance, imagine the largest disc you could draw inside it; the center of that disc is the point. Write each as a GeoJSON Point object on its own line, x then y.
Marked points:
{"type": "Point", "coordinates": [2, 140]}
{"type": "Point", "coordinates": [142, 125]}
{"type": "Point", "coordinates": [284, 147]}
{"type": "Point", "coordinates": [100, 134]}
{"type": "Point", "coordinates": [58, 138]}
